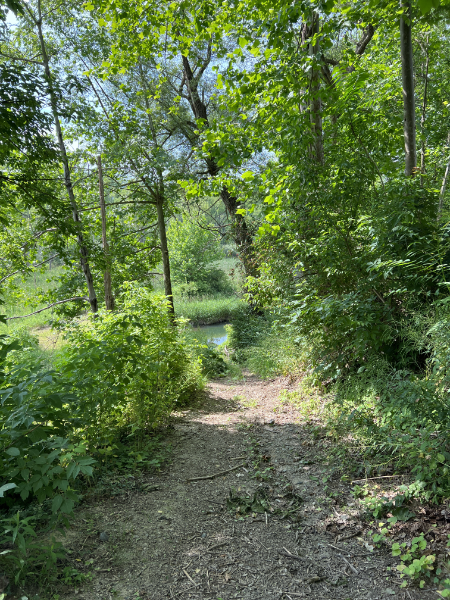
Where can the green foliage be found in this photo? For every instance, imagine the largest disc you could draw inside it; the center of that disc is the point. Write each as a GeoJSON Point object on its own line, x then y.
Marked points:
{"type": "Point", "coordinates": [414, 561]}
{"type": "Point", "coordinates": [119, 375]}
{"type": "Point", "coordinates": [213, 363]}
{"type": "Point", "coordinates": [264, 343]}
{"type": "Point", "coordinates": [128, 368]}
{"type": "Point", "coordinates": [193, 250]}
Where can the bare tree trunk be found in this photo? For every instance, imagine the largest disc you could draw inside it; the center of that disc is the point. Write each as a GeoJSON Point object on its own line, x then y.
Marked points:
{"type": "Point", "coordinates": [67, 178]}
{"type": "Point", "coordinates": [109, 298]}
{"type": "Point", "coordinates": [409, 123]}
{"type": "Point", "coordinates": [424, 112]}
{"type": "Point", "coordinates": [165, 257]}
{"type": "Point", "coordinates": [316, 102]}
{"type": "Point", "coordinates": [443, 188]}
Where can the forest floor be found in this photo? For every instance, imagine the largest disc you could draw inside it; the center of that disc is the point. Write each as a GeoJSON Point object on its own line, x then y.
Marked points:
{"type": "Point", "coordinates": [283, 533]}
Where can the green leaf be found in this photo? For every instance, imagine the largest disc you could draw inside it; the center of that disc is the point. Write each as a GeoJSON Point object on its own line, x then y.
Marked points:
{"type": "Point", "coordinates": [6, 487]}
{"type": "Point", "coordinates": [427, 5]}
{"type": "Point", "coordinates": [13, 451]}
{"type": "Point", "coordinates": [57, 501]}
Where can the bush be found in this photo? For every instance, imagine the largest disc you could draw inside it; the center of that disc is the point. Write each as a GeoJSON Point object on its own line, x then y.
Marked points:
{"type": "Point", "coordinates": [120, 373]}
{"type": "Point", "coordinates": [266, 343]}
{"type": "Point", "coordinates": [128, 368]}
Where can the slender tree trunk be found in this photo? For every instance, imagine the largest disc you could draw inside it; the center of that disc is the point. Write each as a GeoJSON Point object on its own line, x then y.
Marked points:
{"type": "Point", "coordinates": [165, 257]}
{"type": "Point", "coordinates": [242, 235]}
{"type": "Point", "coordinates": [409, 123]}
{"type": "Point", "coordinates": [443, 188]}
{"type": "Point", "coordinates": [67, 178]}
{"type": "Point", "coordinates": [316, 102]}
{"type": "Point", "coordinates": [424, 113]}
{"type": "Point", "coordinates": [109, 298]}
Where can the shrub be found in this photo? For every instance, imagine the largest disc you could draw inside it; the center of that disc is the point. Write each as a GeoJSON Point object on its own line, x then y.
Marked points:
{"type": "Point", "coordinates": [120, 372]}
{"type": "Point", "coordinates": [128, 368]}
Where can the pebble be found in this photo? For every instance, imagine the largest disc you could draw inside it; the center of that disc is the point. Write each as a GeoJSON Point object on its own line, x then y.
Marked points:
{"type": "Point", "coordinates": [104, 536]}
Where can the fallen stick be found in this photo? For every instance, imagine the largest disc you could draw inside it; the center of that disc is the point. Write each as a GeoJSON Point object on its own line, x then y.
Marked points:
{"type": "Point", "coordinates": [288, 554]}
{"type": "Point", "coordinates": [371, 478]}
{"type": "Point", "coordinates": [216, 546]}
{"type": "Point", "coordinates": [349, 564]}
{"type": "Point", "coordinates": [217, 474]}
{"type": "Point", "coordinates": [349, 535]}
{"type": "Point", "coordinates": [189, 577]}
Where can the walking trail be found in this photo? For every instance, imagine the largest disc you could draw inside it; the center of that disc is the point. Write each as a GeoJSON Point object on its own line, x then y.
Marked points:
{"type": "Point", "coordinates": [267, 528]}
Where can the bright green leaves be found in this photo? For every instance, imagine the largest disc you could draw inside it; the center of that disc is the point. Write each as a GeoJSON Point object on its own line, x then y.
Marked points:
{"type": "Point", "coordinates": [427, 5]}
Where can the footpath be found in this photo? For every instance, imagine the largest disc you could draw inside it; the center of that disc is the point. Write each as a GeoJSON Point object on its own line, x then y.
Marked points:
{"type": "Point", "coordinates": [244, 511]}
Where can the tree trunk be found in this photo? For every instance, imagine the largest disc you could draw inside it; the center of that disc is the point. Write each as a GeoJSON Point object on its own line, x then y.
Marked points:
{"type": "Point", "coordinates": [109, 298]}
{"type": "Point", "coordinates": [67, 178]}
{"type": "Point", "coordinates": [242, 235]}
{"type": "Point", "coordinates": [409, 123]}
{"type": "Point", "coordinates": [165, 257]}
{"type": "Point", "coordinates": [424, 112]}
{"type": "Point", "coordinates": [443, 188]}
{"type": "Point", "coordinates": [316, 102]}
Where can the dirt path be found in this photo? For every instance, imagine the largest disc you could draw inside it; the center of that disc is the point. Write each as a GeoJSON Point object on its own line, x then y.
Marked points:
{"type": "Point", "coordinates": [281, 536]}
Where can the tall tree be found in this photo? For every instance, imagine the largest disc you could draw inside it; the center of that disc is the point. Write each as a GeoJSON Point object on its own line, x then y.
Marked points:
{"type": "Point", "coordinates": [36, 16]}
{"type": "Point", "coordinates": [409, 107]}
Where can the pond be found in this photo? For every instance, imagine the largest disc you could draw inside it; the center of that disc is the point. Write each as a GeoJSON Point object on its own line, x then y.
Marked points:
{"type": "Point", "coordinates": [216, 333]}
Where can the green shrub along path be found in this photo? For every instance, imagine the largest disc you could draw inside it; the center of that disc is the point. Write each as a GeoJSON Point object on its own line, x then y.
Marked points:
{"type": "Point", "coordinates": [248, 507]}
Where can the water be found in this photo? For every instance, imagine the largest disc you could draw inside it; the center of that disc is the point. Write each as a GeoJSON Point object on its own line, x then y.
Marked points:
{"type": "Point", "coordinates": [216, 333]}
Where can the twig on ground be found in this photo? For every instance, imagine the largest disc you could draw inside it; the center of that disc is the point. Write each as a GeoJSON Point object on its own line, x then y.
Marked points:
{"type": "Point", "coordinates": [350, 535]}
{"type": "Point", "coordinates": [216, 474]}
{"type": "Point", "coordinates": [216, 546]}
{"type": "Point", "coordinates": [238, 458]}
{"type": "Point", "coordinates": [288, 554]}
{"type": "Point", "coordinates": [371, 478]}
{"type": "Point", "coordinates": [340, 549]}
{"type": "Point", "coordinates": [189, 577]}
{"type": "Point", "coordinates": [355, 571]}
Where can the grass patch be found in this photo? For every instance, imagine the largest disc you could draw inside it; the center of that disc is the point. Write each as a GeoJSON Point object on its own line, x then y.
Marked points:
{"type": "Point", "coordinates": [207, 310]}
{"type": "Point", "coordinates": [21, 300]}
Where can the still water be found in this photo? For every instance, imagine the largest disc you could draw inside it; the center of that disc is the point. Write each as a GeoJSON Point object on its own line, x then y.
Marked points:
{"type": "Point", "coordinates": [216, 333]}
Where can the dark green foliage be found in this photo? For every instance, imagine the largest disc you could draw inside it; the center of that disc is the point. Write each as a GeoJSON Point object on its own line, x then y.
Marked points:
{"type": "Point", "coordinates": [213, 363]}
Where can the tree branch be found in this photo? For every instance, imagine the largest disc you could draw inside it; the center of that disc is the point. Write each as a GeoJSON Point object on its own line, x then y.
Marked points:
{"type": "Point", "coordinates": [50, 306]}
{"type": "Point", "coordinates": [32, 267]}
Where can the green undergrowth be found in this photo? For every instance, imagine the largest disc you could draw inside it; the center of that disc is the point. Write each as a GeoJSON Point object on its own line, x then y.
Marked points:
{"type": "Point", "coordinates": [72, 417]}
{"type": "Point", "coordinates": [21, 298]}
{"type": "Point", "coordinates": [263, 343]}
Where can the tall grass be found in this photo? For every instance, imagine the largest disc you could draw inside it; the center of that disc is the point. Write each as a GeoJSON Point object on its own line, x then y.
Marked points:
{"type": "Point", "coordinates": [22, 302]}
{"type": "Point", "coordinates": [207, 310]}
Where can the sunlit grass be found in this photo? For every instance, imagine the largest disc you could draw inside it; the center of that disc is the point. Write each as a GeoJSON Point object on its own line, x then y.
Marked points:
{"type": "Point", "coordinates": [206, 310]}
{"type": "Point", "coordinates": [21, 303]}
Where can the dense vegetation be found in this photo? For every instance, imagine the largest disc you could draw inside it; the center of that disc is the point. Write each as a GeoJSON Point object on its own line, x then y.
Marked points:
{"type": "Point", "coordinates": [281, 165]}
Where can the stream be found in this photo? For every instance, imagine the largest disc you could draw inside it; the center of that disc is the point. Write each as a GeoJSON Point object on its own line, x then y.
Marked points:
{"type": "Point", "coordinates": [216, 333]}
